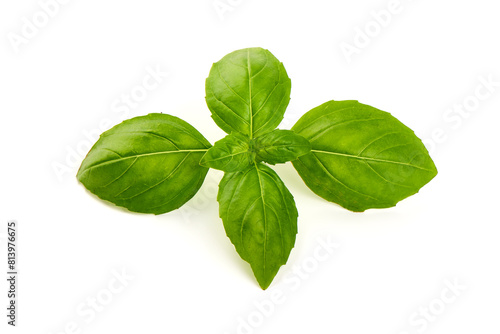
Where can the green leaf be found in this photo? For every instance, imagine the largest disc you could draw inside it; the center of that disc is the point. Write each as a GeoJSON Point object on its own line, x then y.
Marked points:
{"type": "Point", "coordinates": [260, 219]}
{"type": "Point", "coordinates": [280, 146]}
{"type": "Point", "coordinates": [230, 154]}
{"type": "Point", "coordinates": [361, 157]}
{"type": "Point", "coordinates": [248, 91]}
{"type": "Point", "coordinates": [146, 164]}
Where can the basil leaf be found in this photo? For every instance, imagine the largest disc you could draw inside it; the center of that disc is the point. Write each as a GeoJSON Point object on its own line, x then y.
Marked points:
{"type": "Point", "coordinates": [248, 91]}
{"type": "Point", "coordinates": [146, 164]}
{"type": "Point", "coordinates": [280, 146]}
{"type": "Point", "coordinates": [361, 157]}
{"type": "Point", "coordinates": [260, 219]}
{"type": "Point", "coordinates": [230, 154]}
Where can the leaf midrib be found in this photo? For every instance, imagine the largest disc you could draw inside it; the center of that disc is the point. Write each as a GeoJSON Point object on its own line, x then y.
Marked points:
{"type": "Point", "coordinates": [265, 214]}
{"type": "Point", "coordinates": [371, 159]}
{"type": "Point", "coordinates": [143, 155]}
{"type": "Point", "coordinates": [250, 93]}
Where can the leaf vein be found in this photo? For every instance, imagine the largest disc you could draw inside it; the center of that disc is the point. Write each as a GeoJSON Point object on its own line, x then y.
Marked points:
{"type": "Point", "coordinates": [376, 139]}
{"type": "Point", "coordinates": [383, 178]}
{"type": "Point", "coordinates": [336, 179]}
{"type": "Point", "coordinates": [329, 127]}
{"type": "Point", "coordinates": [163, 180]}
{"type": "Point", "coordinates": [230, 88]}
{"type": "Point", "coordinates": [126, 170]}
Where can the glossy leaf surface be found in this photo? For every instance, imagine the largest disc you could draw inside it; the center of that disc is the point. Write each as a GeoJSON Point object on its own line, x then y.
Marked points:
{"type": "Point", "coordinates": [361, 157]}
{"type": "Point", "coordinates": [146, 164]}
{"type": "Point", "coordinates": [260, 219]}
{"type": "Point", "coordinates": [248, 91]}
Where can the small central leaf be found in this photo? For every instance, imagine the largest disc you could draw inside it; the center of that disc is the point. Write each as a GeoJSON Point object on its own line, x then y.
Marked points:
{"type": "Point", "coordinates": [230, 154]}
{"type": "Point", "coordinates": [280, 146]}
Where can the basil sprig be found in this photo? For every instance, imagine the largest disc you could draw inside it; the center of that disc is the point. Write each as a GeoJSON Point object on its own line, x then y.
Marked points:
{"type": "Point", "coordinates": [346, 152]}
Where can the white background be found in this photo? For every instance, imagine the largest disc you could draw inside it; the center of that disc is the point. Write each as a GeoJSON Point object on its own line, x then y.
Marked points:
{"type": "Point", "coordinates": [64, 80]}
